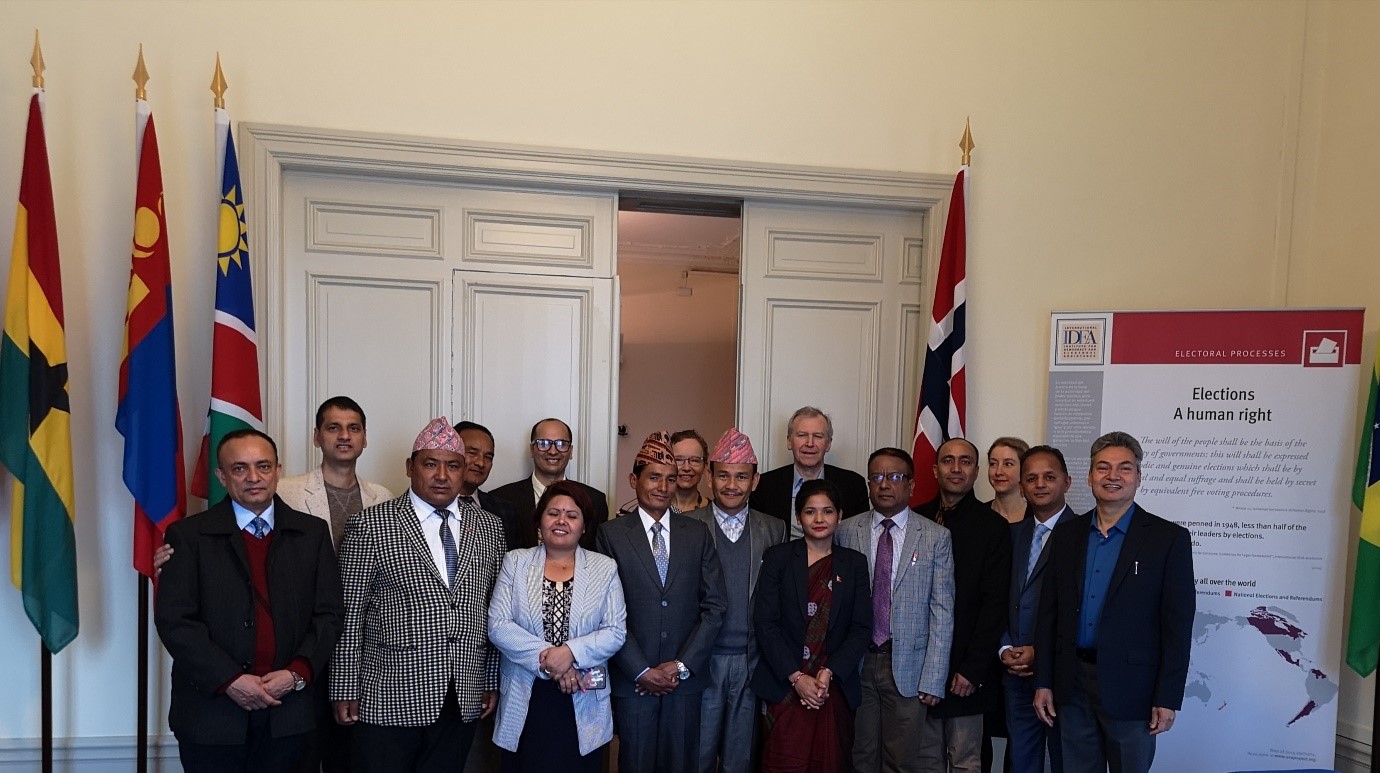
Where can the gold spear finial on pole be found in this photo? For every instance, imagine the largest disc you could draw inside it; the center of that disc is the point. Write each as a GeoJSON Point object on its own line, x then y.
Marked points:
{"type": "Point", "coordinates": [966, 144]}
{"type": "Point", "coordinates": [141, 77]}
{"type": "Point", "coordinates": [218, 85]}
{"type": "Point", "coordinates": [37, 61]}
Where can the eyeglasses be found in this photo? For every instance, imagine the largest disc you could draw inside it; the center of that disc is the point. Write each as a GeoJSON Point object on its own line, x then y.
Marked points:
{"type": "Point", "coordinates": [894, 477]}
{"type": "Point", "coordinates": [693, 461]}
{"type": "Point", "coordinates": [545, 444]}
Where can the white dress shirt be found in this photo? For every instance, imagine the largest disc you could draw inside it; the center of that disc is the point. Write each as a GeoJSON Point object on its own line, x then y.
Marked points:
{"type": "Point", "coordinates": [431, 529]}
{"type": "Point", "coordinates": [647, 522]}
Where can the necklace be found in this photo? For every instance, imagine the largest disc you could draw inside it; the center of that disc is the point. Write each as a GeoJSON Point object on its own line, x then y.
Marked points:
{"type": "Point", "coordinates": [339, 500]}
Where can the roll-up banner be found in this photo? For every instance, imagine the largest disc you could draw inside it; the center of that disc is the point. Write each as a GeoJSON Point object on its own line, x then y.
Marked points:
{"type": "Point", "coordinates": [1247, 420]}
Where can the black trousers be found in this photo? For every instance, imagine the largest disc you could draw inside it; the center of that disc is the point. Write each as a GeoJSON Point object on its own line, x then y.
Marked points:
{"type": "Point", "coordinates": [260, 752]}
{"type": "Point", "coordinates": [440, 747]}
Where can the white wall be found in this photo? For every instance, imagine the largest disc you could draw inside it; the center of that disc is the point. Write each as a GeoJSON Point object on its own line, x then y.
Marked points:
{"type": "Point", "coordinates": [1137, 154]}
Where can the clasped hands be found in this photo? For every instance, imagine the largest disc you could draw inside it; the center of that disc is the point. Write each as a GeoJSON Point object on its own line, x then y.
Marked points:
{"type": "Point", "coordinates": [813, 690]}
{"type": "Point", "coordinates": [558, 664]}
{"type": "Point", "coordinates": [251, 692]}
{"type": "Point", "coordinates": [659, 680]}
{"type": "Point", "coordinates": [1019, 661]}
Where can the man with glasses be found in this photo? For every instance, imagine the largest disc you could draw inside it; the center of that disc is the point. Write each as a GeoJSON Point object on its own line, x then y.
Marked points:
{"type": "Point", "coordinates": [1116, 621]}
{"type": "Point", "coordinates": [982, 576]}
{"type": "Point", "coordinates": [551, 444]}
{"type": "Point", "coordinates": [809, 434]}
{"type": "Point", "coordinates": [728, 707]}
{"type": "Point", "coordinates": [907, 660]}
{"type": "Point", "coordinates": [249, 637]}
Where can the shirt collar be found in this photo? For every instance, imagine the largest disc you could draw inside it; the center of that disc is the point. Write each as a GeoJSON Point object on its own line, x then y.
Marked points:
{"type": "Point", "coordinates": [899, 519]}
{"type": "Point", "coordinates": [647, 520]}
{"type": "Point", "coordinates": [1053, 519]}
{"type": "Point", "coordinates": [799, 479]}
{"type": "Point", "coordinates": [1122, 524]}
{"type": "Point", "coordinates": [243, 516]}
{"type": "Point", "coordinates": [723, 515]}
{"type": "Point", "coordinates": [425, 510]}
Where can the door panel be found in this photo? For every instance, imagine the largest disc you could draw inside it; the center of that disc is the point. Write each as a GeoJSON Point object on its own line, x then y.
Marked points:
{"type": "Point", "coordinates": [830, 299]}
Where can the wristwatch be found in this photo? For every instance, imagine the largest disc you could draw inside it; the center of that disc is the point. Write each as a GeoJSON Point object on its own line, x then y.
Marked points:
{"type": "Point", "coordinates": [682, 671]}
{"type": "Point", "coordinates": [298, 683]}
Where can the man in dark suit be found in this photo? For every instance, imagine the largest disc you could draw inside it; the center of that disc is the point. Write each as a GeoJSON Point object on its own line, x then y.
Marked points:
{"type": "Point", "coordinates": [552, 445]}
{"type": "Point", "coordinates": [982, 575]}
{"type": "Point", "coordinates": [249, 609]}
{"type": "Point", "coordinates": [1116, 610]}
{"type": "Point", "coordinates": [414, 670]}
{"type": "Point", "coordinates": [1044, 480]}
{"type": "Point", "coordinates": [479, 462]}
{"type": "Point", "coordinates": [809, 434]}
{"type": "Point", "coordinates": [674, 590]}
{"type": "Point", "coordinates": [728, 707]}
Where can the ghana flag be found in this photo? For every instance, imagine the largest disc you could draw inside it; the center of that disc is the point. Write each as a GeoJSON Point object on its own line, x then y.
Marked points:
{"type": "Point", "coordinates": [35, 409]}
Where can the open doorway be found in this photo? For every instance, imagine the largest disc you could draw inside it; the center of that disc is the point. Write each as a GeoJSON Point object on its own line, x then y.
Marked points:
{"type": "Point", "coordinates": [678, 269]}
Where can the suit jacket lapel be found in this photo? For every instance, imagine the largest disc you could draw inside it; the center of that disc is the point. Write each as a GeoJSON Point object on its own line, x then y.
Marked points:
{"type": "Point", "coordinates": [411, 524]}
{"type": "Point", "coordinates": [586, 595]}
{"type": "Point", "coordinates": [679, 530]}
{"type": "Point", "coordinates": [1023, 534]}
{"type": "Point", "coordinates": [1066, 514]}
{"type": "Point", "coordinates": [800, 576]}
{"type": "Point", "coordinates": [1130, 548]}
{"type": "Point", "coordinates": [641, 545]}
{"type": "Point", "coordinates": [907, 547]}
{"type": "Point", "coordinates": [536, 572]}
{"type": "Point", "coordinates": [315, 491]}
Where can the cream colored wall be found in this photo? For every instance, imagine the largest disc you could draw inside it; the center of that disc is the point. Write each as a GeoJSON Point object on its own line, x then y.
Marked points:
{"type": "Point", "coordinates": [1136, 154]}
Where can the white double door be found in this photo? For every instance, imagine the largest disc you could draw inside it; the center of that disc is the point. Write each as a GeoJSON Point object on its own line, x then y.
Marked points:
{"type": "Point", "coordinates": [501, 306]}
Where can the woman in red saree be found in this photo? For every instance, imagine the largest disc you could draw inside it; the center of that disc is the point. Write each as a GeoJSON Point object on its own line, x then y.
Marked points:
{"type": "Point", "coordinates": [813, 618]}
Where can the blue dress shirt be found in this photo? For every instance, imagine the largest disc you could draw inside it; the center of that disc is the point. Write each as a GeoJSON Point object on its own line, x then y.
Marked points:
{"type": "Point", "coordinates": [1100, 562]}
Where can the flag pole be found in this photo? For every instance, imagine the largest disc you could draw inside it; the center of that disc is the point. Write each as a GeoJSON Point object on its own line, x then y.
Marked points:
{"type": "Point", "coordinates": [141, 81]}
{"type": "Point", "coordinates": [45, 658]}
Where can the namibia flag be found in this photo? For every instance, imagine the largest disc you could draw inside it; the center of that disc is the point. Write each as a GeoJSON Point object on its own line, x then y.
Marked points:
{"type": "Point", "coordinates": [35, 408]}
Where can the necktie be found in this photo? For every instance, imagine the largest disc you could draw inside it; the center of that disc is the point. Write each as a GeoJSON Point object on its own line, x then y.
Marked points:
{"type": "Point", "coordinates": [448, 547]}
{"type": "Point", "coordinates": [259, 527]}
{"type": "Point", "coordinates": [733, 527]}
{"type": "Point", "coordinates": [663, 559]}
{"type": "Point", "coordinates": [881, 586]}
{"type": "Point", "coordinates": [1037, 542]}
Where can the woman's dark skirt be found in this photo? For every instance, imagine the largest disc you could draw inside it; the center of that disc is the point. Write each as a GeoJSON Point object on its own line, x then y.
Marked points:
{"type": "Point", "coordinates": [549, 740]}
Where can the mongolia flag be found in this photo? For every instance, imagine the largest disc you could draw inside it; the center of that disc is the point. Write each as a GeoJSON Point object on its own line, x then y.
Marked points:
{"type": "Point", "coordinates": [1363, 637]}
{"type": "Point", "coordinates": [942, 410]}
{"type": "Point", "coordinates": [235, 402]}
{"type": "Point", "coordinates": [148, 416]}
{"type": "Point", "coordinates": [35, 406]}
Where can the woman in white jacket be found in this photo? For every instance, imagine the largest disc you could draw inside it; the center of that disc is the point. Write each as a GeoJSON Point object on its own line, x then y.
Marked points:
{"type": "Point", "coordinates": [557, 616]}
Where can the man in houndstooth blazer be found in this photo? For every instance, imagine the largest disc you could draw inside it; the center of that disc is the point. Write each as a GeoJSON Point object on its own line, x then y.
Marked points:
{"type": "Point", "coordinates": [904, 674]}
{"type": "Point", "coordinates": [414, 669]}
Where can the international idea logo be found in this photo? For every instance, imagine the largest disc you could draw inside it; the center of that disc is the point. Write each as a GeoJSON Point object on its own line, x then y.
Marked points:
{"type": "Point", "coordinates": [1080, 341]}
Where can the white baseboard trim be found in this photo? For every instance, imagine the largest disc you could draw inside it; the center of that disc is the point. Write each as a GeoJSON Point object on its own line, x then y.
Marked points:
{"type": "Point", "coordinates": [89, 755]}
{"type": "Point", "coordinates": [1353, 756]}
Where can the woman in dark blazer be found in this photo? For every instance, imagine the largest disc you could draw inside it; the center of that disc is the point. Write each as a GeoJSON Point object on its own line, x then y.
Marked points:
{"type": "Point", "coordinates": [813, 620]}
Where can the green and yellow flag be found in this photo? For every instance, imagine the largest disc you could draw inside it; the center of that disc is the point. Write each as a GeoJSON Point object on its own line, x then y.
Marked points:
{"type": "Point", "coordinates": [35, 411]}
{"type": "Point", "coordinates": [1363, 641]}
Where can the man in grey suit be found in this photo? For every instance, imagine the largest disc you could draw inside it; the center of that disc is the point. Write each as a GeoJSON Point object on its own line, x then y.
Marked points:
{"type": "Point", "coordinates": [728, 707]}
{"type": "Point", "coordinates": [414, 669]}
{"type": "Point", "coordinates": [674, 590]}
{"type": "Point", "coordinates": [1044, 484]}
{"type": "Point", "coordinates": [907, 663]}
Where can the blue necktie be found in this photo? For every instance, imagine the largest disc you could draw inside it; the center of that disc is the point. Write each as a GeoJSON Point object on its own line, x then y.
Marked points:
{"type": "Point", "coordinates": [448, 547]}
{"type": "Point", "coordinates": [259, 527]}
{"type": "Point", "coordinates": [1037, 542]}
{"type": "Point", "coordinates": [663, 559]}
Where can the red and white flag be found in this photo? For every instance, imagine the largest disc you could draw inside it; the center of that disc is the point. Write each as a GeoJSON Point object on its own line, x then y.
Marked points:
{"type": "Point", "coordinates": [943, 405]}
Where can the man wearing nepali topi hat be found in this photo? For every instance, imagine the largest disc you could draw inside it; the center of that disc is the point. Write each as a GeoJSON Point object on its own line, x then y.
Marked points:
{"type": "Point", "coordinates": [414, 669]}
{"type": "Point", "coordinates": [728, 708]}
{"type": "Point", "coordinates": [674, 591]}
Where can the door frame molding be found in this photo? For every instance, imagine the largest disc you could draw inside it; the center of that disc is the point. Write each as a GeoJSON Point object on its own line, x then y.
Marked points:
{"type": "Point", "coordinates": [270, 150]}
